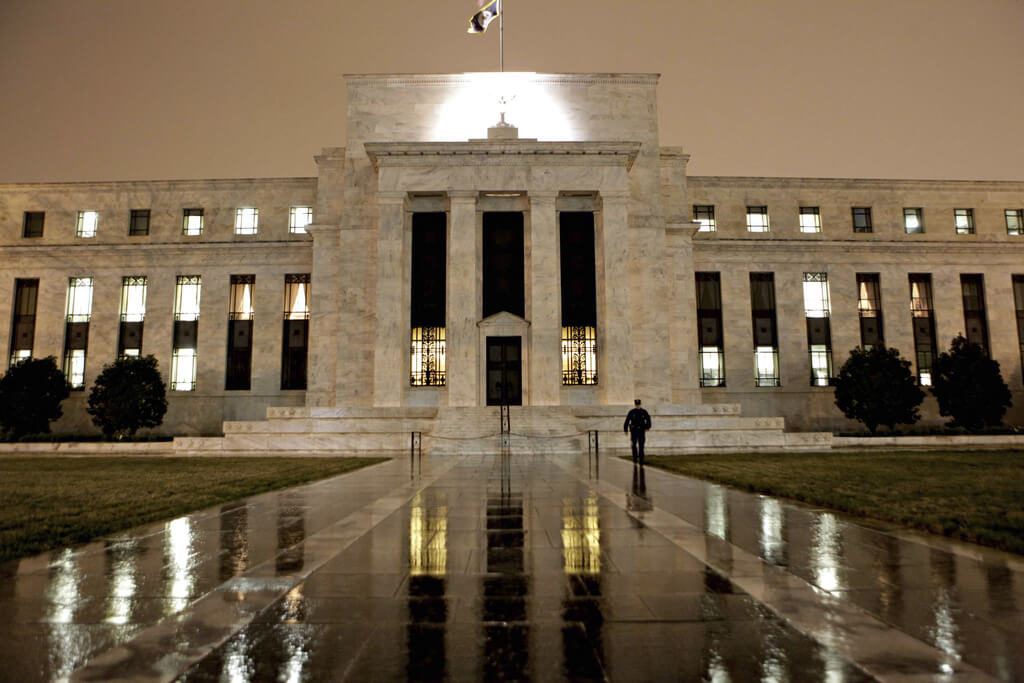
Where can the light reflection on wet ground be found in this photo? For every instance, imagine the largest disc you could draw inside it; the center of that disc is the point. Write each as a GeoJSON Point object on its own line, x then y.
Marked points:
{"type": "Point", "coordinates": [513, 567]}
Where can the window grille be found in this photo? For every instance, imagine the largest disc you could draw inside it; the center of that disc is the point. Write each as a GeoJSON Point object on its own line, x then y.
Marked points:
{"type": "Point", "coordinates": [579, 355]}
{"type": "Point", "coordinates": [139, 223]}
{"type": "Point", "coordinates": [33, 224]}
{"type": "Point", "coordinates": [810, 219]}
{"type": "Point", "coordinates": [705, 215]}
{"type": "Point", "coordinates": [861, 218]}
{"type": "Point", "coordinates": [428, 357]}
{"type": "Point", "coordinates": [298, 218]}
{"type": "Point", "coordinates": [964, 221]}
{"type": "Point", "coordinates": [192, 222]}
{"type": "Point", "coordinates": [247, 221]}
{"type": "Point", "coordinates": [913, 221]}
{"type": "Point", "coordinates": [87, 224]}
{"type": "Point", "coordinates": [757, 219]}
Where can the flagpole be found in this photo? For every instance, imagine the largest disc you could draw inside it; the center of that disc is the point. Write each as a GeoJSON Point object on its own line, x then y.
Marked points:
{"type": "Point", "coordinates": [501, 37]}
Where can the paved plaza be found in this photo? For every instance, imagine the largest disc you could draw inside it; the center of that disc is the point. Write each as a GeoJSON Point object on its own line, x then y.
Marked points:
{"type": "Point", "coordinates": [513, 567]}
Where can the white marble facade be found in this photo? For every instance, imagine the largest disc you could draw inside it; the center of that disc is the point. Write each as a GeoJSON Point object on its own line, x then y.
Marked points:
{"type": "Point", "coordinates": [582, 142]}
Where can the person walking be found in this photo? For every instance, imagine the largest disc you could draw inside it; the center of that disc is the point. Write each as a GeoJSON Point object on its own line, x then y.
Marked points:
{"type": "Point", "coordinates": [638, 421]}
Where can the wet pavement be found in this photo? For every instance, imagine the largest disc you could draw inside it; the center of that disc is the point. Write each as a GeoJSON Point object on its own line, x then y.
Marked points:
{"type": "Point", "coordinates": [513, 567]}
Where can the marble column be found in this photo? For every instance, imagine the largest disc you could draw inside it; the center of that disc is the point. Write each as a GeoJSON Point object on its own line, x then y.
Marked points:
{"type": "Point", "coordinates": [545, 323]}
{"type": "Point", "coordinates": [389, 367]}
{"type": "Point", "coordinates": [615, 356]}
{"type": "Point", "coordinates": [463, 287]}
{"type": "Point", "coordinates": [323, 324]}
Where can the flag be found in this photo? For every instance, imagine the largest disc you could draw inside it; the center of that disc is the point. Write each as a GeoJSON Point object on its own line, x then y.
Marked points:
{"type": "Point", "coordinates": [479, 21]}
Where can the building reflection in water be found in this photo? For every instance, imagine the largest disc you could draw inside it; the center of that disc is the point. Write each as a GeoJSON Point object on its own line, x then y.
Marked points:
{"type": "Point", "coordinates": [63, 594]}
{"type": "Point", "coordinates": [581, 560]}
{"type": "Point", "coordinates": [179, 570]}
{"type": "Point", "coordinates": [234, 540]}
{"type": "Point", "coordinates": [944, 632]}
{"type": "Point", "coordinates": [887, 564]}
{"type": "Point", "coordinates": [506, 586]}
{"type": "Point", "coordinates": [773, 525]}
{"type": "Point", "coordinates": [827, 552]}
{"type": "Point", "coordinates": [1003, 603]}
{"type": "Point", "coordinates": [427, 601]}
{"type": "Point", "coordinates": [716, 512]}
{"type": "Point", "coordinates": [291, 532]}
{"type": "Point", "coordinates": [120, 559]}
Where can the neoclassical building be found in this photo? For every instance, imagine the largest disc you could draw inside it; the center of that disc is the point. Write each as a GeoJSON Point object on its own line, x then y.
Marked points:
{"type": "Point", "coordinates": [507, 238]}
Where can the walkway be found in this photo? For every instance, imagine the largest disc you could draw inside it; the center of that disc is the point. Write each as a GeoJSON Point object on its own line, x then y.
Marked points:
{"type": "Point", "coordinates": [519, 567]}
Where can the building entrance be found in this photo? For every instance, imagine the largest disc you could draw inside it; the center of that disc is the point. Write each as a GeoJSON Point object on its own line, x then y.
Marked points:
{"type": "Point", "coordinates": [504, 371]}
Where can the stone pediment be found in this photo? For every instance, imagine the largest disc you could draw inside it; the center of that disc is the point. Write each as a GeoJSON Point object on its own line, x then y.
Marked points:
{"type": "Point", "coordinates": [502, 153]}
{"type": "Point", "coordinates": [503, 321]}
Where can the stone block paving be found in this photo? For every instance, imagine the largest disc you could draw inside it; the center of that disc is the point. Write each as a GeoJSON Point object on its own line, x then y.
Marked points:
{"type": "Point", "coordinates": [513, 567]}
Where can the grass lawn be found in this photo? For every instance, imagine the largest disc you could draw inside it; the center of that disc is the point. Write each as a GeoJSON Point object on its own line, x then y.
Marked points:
{"type": "Point", "coordinates": [975, 496]}
{"type": "Point", "coordinates": [53, 501]}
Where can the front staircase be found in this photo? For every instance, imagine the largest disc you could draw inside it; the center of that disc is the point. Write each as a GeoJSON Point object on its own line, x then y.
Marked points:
{"type": "Point", "coordinates": [534, 429]}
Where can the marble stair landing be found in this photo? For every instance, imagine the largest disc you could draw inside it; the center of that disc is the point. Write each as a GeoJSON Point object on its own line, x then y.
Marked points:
{"type": "Point", "coordinates": [462, 430]}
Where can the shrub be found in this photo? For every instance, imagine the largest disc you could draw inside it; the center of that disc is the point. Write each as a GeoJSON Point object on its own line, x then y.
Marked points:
{"type": "Point", "coordinates": [30, 396]}
{"type": "Point", "coordinates": [969, 387]}
{"type": "Point", "coordinates": [128, 395]}
{"type": "Point", "coordinates": [876, 387]}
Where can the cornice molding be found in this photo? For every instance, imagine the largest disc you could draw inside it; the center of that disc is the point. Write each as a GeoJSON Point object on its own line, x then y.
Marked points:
{"type": "Point", "coordinates": [160, 185]}
{"type": "Point", "coordinates": [501, 153]}
{"type": "Point", "coordinates": [646, 80]}
{"type": "Point", "coordinates": [783, 183]}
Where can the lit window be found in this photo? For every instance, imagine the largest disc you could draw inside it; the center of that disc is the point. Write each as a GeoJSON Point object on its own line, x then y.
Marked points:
{"type": "Point", "coordinates": [296, 297]}
{"type": "Point", "coordinates": [299, 217]}
{"type": "Point", "coordinates": [869, 309]}
{"type": "Point", "coordinates": [705, 215]}
{"type": "Point", "coordinates": [922, 316]}
{"type": "Point", "coordinates": [757, 219]}
{"type": "Point", "coordinates": [238, 373]}
{"type": "Point", "coordinates": [766, 361]}
{"type": "Point", "coordinates": [79, 300]}
{"type": "Point", "coordinates": [1014, 221]}
{"type": "Point", "coordinates": [192, 222]}
{"type": "Point", "coordinates": [819, 332]}
{"type": "Point", "coordinates": [186, 298]}
{"type": "Point", "coordinates": [240, 305]}
{"type": "Point", "coordinates": [810, 219]}
{"type": "Point", "coordinates": [246, 221]}
{"type": "Point", "coordinates": [913, 221]}
{"type": "Point", "coordinates": [816, 303]}
{"type": "Point", "coordinates": [133, 314]}
{"type": "Point", "coordinates": [428, 357]}
{"type": "Point", "coordinates": [295, 350]}
{"type": "Point", "coordinates": [861, 218]}
{"type": "Point", "coordinates": [709, 329]}
{"type": "Point", "coordinates": [964, 221]}
{"type": "Point", "coordinates": [23, 328]}
{"type": "Point", "coordinates": [186, 331]}
{"type": "Point", "coordinates": [87, 223]}
{"type": "Point", "coordinates": [579, 355]}
{"type": "Point", "coordinates": [183, 370]}
{"type": "Point", "coordinates": [33, 224]}
{"type": "Point", "coordinates": [76, 334]}
{"type": "Point", "coordinates": [712, 366]}
{"type": "Point", "coordinates": [138, 225]}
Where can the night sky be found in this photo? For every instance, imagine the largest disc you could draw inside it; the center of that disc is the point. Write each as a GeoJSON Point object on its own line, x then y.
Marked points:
{"type": "Point", "coordinates": [152, 89]}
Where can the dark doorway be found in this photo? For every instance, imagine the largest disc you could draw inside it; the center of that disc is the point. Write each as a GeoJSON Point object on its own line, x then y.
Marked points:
{"type": "Point", "coordinates": [504, 371]}
{"type": "Point", "coordinates": [503, 263]}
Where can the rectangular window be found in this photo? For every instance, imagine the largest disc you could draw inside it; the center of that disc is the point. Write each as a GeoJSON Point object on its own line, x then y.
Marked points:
{"type": "Point", "coordinates": [913, 221]}
{"type": "Point", "coordinates": [972, 287]}
{"type": "Point", "coordinates": [923, 318]}
{"type": "Point", "coordinates": [964, 221]}
{"type": "Point", "coordinates": [33, 224]}
{"type": "Point", "coordinates": [295, 343]}
{"type": "Point", "coordinates": [1018, 299]}
{"type": "Point", "coordinates": [710, 344]}
{"type": "Point", "coordinates": [766, 335]}
{"type": "Point", "coordinates": [705, 215]}
{"type": "Point", "coordinates": [1014, 221]}
{"type": "Point", "coordinates": [192, 222]}
{"type": "Point", "coordinates": [186, 332]}
{"type": "Point", "coordinates": [23, 322]}
{"type": "Point", "coordinates": [238, 374]}
{"type": "Point", "coordinates": [299, 217]}
{"type": "Point", "coordinates": [818, 309]}
{"type": "Point", "coordinates": [579, 297]}
{"type": "Point", "coordinates": [869, 308]}
{"type": "Point", "coordinates": [76, 331]}
{"type": "Point", "coordinates": [861, 219]}
{"type": "Point", "coordinates": [810, 219]}
{"type": "Point", "coordinates": [87, 224]}
{"type": "Point", "coordinates": [133, 315]}
{"type": "Point", "coordinates": [139, 223]}
{"type": "Point", "coordinates": [247, 221]}
{"type": "Point", "coordinates": [757, 219]}
{"type": "Point", "coordinates": [428, 299]}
